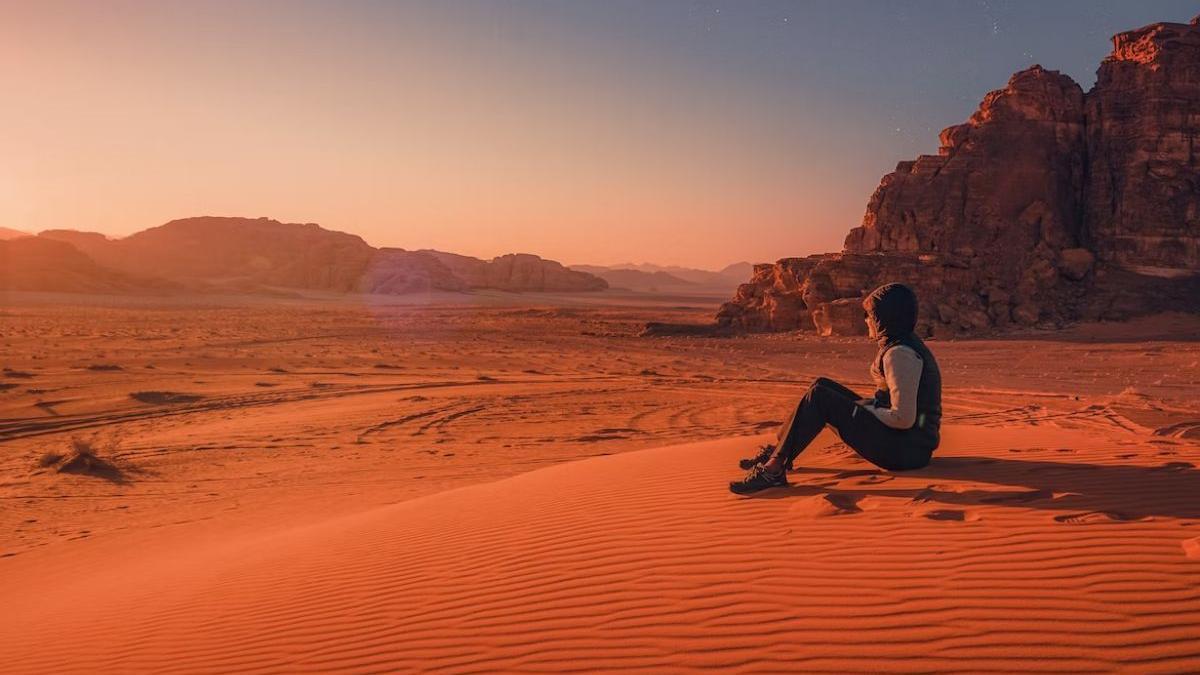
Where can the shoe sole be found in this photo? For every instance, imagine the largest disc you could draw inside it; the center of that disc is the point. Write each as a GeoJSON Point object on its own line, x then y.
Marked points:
{"type": "Point", "coordinates": [754, 492]}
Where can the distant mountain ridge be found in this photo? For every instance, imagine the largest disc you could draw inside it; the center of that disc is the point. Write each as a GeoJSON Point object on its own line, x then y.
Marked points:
{"type": "Point", "coordinates": [635, 280]}
{"type": "Point", "coordinates": [648, 276]}
{"type": "Point", "coordinates": [240, 254]}
{"type": "Point", "coordinates": [9, 233]}
{"type": "Point", "coordinates": [40, 264]}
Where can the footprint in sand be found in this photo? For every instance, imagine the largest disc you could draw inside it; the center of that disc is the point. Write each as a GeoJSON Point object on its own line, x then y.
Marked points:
{"type": "Point", "coordinates": [929, 493]}
{"type": "Point", "coordinates": [1191, 547]}
{"type": "Point", "coordinates": [951, 515]}
{"type": "Point", "coordinates": [875, 479]}
{"type": "Point", "coordinates": [1099, 517]}
{"type": "Point", "coordinates": [831, 504]}
{"type": "Point", "coordinates": [1017, 497]}
{"type": "Point", "coordinates": [855, 473]}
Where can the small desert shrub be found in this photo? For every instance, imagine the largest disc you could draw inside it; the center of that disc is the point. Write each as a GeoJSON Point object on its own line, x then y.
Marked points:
{"type": "Point", "coordinates": [82, 458]}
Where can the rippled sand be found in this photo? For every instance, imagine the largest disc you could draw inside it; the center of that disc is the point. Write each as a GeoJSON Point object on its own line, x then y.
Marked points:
{"type": "Point", "coordinates": [362, 486]}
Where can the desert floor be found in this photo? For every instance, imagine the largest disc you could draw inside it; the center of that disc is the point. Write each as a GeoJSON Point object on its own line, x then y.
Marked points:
{"type": "Point", "coordinates": [323, 484]}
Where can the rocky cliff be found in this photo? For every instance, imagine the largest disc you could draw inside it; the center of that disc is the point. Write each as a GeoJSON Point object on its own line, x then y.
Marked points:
{"type": "Point", "coordinates": [1142, 199]}
{"type": "Point", "coordinates": [1048, 205]}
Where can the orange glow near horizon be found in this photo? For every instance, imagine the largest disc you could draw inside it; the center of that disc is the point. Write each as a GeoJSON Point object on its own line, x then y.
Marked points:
{"type": "Point", "coordinates": [445, 135]}
{"type": "Point", "coordinates": [694, 133]}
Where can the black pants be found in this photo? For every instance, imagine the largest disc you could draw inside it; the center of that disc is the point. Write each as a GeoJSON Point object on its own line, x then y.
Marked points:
{"type": "Point", "coordinates": [828, 402]}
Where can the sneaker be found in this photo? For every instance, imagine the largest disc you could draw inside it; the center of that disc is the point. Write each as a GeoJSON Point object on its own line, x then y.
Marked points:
{"type": "Point", "coordinates": [764, 453]}
{"type": "Point", "coordinates": [758, 479]}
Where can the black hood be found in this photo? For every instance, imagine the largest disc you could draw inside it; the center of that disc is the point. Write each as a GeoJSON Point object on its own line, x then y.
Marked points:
{"type": "Point", "coordinates": [895, 309]}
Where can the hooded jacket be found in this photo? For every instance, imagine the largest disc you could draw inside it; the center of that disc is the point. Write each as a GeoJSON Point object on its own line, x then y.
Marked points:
{"type": "Point", "coordinates": [895, 309]}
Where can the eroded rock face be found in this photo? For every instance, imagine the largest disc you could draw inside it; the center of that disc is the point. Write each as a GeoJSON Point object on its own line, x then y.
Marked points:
{"type": "Point", "coordinates": [1010, 177]}
{"type": "Point", "coordinates": [518, 272]}
{"type": "Point", "coordinates": [1046, 206]}
{"type": "Point", "coordinates": [840, 317]}
{"type": "Point", "coordinates": [1143, 198]}
{"type": "Point", "coordinates": [394, 271]}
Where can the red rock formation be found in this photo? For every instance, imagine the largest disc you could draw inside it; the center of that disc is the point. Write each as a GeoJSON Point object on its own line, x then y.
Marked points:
{"type": "Point", "coordinates": [394, 271]}
{"type": "Point", "coordinates": [518, 272]}
{"type": "Point", "coordinates": [244, 254]}
{"type": "Point", "coordinates": [1143, 196]}
{"type": "Point", "coordinates": [235, 251]}
{"type": "Point", "coordinates": [1040, 209]}
{"type": "Point", "coordinates": [1010, 177]}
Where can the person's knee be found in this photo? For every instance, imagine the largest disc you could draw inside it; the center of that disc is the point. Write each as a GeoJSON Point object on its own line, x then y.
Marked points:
{"type": "Point", "coordinates": [818, 388]}
{"type": "Point", "coordinates": [822, 388]}
{"type": "Point", "coordinates": [820, 382]}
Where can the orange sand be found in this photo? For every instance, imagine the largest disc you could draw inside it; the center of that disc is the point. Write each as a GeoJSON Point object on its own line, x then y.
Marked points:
{"type": "Point", "coordinates": [301, 528]}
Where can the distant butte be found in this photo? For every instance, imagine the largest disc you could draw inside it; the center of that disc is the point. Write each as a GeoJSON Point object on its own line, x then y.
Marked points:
{"type": "Point", "coordinates": [255, 254]}
{"type": "Point", "coordinates": [1047, 206]}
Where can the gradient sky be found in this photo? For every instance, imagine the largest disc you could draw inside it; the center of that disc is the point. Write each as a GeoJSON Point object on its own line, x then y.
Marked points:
{"type": "Point", "coordinates": [695, 133]}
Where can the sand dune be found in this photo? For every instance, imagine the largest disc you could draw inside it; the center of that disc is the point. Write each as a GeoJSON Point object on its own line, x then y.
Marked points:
{"type": "Point", "coordinates": [304, 486]}
{"type": "Point", "coordinates": [1002, 556]}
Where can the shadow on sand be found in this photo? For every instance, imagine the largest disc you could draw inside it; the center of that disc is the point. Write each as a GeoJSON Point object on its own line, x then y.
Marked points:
{"type": "Point", "coordinates": [1084, 492]}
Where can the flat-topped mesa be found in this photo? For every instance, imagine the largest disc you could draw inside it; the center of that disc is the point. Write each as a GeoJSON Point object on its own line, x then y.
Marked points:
{"type": "Point", "coordinates": [1142, 202]}
{"type": "Point", "coordinates": [1046, 206]}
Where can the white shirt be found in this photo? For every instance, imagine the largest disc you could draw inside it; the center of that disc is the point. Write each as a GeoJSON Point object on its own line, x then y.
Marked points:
{"type": "Point", "coordinates": [902, 373]}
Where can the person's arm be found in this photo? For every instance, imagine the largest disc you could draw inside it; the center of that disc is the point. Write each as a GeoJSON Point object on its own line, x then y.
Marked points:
{"type": "Point", "coordinates": [902, 368]}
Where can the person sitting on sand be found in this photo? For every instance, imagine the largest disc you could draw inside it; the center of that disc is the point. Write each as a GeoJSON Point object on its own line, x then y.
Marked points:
{"type": "Point", "coordinates": [896, 430]}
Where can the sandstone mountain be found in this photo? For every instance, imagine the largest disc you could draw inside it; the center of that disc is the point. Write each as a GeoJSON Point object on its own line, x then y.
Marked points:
{"type": "Point", "coordinates": [37, 264]}
{"type": "Point", "coordinates": [395, 271]}
{"type": "Point", "coordinates": [1048, 205]}
{"type": "Point", "coordinates": [9, 233]}
{"type": "Point", "coordinates": [233, 250]}
{"type": "Point", "coordinates": [517, 272]}
{"type": "Point", "coordinates": [245, 253]}
{"type": "Point", "coordinates": [737, 270]}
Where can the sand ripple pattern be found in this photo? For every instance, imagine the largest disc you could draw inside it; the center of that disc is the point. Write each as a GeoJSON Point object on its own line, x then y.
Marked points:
{"type": "Point", "coordinates": [643, 562]}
